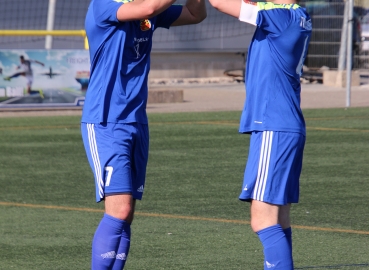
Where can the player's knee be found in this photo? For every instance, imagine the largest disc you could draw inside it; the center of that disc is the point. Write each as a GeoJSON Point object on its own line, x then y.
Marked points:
{"type": "Point", "coordinates": [261, 222]}
{"type": "Point", "coordinates": [120, 206]}
{"type": "Point", "coordinates": [125, 214]}
{"type": "Point", "coordinates": [256, 224]}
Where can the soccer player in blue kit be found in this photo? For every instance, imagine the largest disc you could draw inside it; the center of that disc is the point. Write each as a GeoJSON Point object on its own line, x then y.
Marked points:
{"type": "Point", "coordinates": [114, 123]}
{"type": "Point", "coordinates": [273, 117]}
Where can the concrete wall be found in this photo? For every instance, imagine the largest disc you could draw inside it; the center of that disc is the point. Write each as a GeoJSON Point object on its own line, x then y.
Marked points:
{"type": "Point", "coordinates": [338, 78]}
{"type": "Point", "coordinates": [194, 64]}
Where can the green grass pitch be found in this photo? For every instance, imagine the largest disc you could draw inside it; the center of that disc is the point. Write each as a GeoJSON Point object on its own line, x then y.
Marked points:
{"type": "Point", "coordinates": [190, 216]}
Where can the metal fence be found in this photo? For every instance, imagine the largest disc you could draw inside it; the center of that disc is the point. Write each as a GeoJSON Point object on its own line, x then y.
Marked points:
{"type": "Point", "coordinates": [328, 20]}
{"type": "Point", "coordinates": [217, 33]}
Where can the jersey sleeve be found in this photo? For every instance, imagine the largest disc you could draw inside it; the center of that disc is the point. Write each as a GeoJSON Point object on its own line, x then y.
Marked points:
{"type": "Point", "coordinates": [105, 12]}
{"type": "Point", "coordinates": [169, 16]}
{"type": "Point", "coordinates": [266, 15]}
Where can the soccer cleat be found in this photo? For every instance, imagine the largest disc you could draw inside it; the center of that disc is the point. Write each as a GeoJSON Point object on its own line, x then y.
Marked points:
{"type": "Point", "coordinates": [7, 79]}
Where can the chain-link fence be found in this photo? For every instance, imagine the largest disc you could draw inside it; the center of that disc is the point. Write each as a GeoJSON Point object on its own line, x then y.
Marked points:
{"type": "Point", "coordinates": [328, 21]}
{"type": "Point", "coordinates": [218, 32]}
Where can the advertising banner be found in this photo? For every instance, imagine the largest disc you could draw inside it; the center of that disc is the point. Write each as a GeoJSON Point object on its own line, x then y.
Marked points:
{"type": "Point", "coordinates": [43, 78]}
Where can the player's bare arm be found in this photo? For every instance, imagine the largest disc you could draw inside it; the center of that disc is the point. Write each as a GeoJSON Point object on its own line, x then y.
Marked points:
{"type": "Point", "coordinates": [142, 9]}
{"type": "Point", "coordinates": [194, 11]}
{"type": "Point", "coordinates": [230, 7]}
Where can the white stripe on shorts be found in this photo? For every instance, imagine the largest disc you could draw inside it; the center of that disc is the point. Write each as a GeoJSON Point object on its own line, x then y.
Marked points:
{"type": "Point", "coordinates": [262, 176]}
{"type": "Point", "coordinates": [95, 158]}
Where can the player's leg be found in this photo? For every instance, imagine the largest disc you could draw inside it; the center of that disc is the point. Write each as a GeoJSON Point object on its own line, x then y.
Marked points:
{"type": "Point", "coordinates": [138, 165]}
{"type": "Point", "coordinates": [263, 215]}
{"type": "Point", "coordinates": [293, 188]}
{"type": "Point", "coordinates": [284, 216]}
{"type": "Point", "coordinates": [120, 206]}
{"type": "Point", "coordinates": [108, 233]}
{"type": "Point", "coordinates": [276, 247]}
{"type": "Point", "coordinates": [15, 75]}
{"type": "Point", "coordinates": [114, 169]}
{"type": "Point", "coordinates": [29, 84]}
{"type": "Point", "coordinates": [285, 221]}
{"type": "Point", "coordinates": [112, 239]}
{"type": "Point", "coordinates": [271, 183]}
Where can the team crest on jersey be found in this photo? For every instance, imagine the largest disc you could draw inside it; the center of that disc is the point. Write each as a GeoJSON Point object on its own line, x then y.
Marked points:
{"type": "Point", "coordinates": [145, 25]}
{"type": "Point", "coordinates": [250, 2]}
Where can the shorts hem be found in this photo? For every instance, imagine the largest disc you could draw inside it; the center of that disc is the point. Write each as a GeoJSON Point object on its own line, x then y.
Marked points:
{"type": "Point", "coordinates": [249, 199]}
{"type": "Point", "coordinates": [134, 196]}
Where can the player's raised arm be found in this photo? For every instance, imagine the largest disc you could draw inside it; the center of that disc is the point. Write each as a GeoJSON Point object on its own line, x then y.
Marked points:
{"type": "Point", "coordinates": [244, 10]}
{"type": "Point", "coordinates": [194, 11]}
{"type": "Point", "coordinates": [230, 7]}
{"type": "Point", "coordinates": [142, 9]}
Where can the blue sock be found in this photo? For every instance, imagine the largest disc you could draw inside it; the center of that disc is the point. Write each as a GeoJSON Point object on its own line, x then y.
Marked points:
{"type": "Point", "coordinates": [277, 250]}
{"type": "Point", "coordinates": [108, 248]}
{"type": "Point", "coordinates": [288, 234]}
{"type": "Point", "coordinates": [123, 249]}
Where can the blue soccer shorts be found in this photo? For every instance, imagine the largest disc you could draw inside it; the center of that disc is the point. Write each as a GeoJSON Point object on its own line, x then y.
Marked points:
{"type": "Point", "coordinates": [118, 155]}
{"type": "Point", "coordinates": [273, 168]}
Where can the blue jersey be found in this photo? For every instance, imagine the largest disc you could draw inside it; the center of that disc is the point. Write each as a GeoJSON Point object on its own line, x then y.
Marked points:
{"type": "Point", "coordinates": [120, 62]}
{"type": "Point", "coordinates": [274, 66]}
